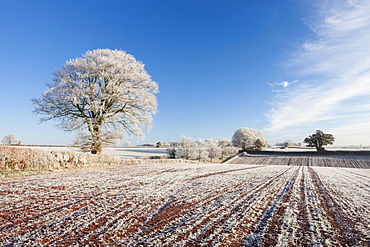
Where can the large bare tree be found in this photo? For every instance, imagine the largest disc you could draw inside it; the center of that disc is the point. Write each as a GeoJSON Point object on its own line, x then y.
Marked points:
{"type": "Point", "coordinates": [106, 92]}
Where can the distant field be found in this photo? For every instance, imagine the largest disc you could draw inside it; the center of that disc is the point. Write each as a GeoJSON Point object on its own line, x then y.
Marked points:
{"type": "Point", "coordinates": [308, 149]}
{"type": "Point", "coordinates": [346, 161]}
{"type": "Point", "coordinates": [123, 153]}
{"type": "Point", "coordinates": [131, 153]}
{"type": "Point", "coordinates": [188, 205]}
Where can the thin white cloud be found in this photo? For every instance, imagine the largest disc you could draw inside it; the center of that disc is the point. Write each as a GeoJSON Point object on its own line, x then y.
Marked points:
{"type": "Point", "coordinates": [280, 87]}
{"type": "Point", "coordinates": [333, 72]}
{"type": "Point", "coordinates": [284, 84]}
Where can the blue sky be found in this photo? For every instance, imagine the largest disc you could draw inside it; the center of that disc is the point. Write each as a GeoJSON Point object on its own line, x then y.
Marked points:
{"type": "Point", "coordinates": [285, 67]}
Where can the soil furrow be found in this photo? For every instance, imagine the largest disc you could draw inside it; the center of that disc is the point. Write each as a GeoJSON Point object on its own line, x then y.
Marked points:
{"type": "Point", "coordinates": [223, 172]}
{"type": "Point", "coordinates": [240, 211]}
{"type": "Point", "coordinates": [345, 233]}
{"type": "Point", "coordinates": [266, 230]}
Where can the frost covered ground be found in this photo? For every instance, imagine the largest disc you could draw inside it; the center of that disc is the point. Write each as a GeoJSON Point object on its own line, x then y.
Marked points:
{"type": "Point", "coordinates": [188, 205]}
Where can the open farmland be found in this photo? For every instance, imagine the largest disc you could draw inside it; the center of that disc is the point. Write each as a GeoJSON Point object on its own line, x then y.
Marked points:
{"type": "Point", "coordinates": [188, 205]}
{"type": "Point", "coordinates": [122, 153]}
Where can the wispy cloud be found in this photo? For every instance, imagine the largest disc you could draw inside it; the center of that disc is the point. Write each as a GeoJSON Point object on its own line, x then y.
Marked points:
{"type": "Point", "coordinates": [333, 74]}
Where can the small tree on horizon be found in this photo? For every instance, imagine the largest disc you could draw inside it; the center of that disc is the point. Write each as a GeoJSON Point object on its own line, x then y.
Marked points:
{"type": "Point", "coordinates": [10, 140]}
{"type": "Point", "coordinates": [172, 152]}
{"type": "Point", "coordinates": [288, 143]}
{"type": "Point", "coordinates": [318, 140]}
{"type": "Point", "coordinates": [127, 144]}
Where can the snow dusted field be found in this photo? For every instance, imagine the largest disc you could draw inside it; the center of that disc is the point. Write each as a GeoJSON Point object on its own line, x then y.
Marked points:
{"type": "Point", "coordinates": [188, 205]}
{"type": "Point", "coordinates": [132, 153]}
{"type": "Point", "coordinates": [123, 153]}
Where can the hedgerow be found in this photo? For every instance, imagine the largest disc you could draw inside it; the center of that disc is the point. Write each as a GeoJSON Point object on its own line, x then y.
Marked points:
{"type": "Point", "coordinates": [26, 159]}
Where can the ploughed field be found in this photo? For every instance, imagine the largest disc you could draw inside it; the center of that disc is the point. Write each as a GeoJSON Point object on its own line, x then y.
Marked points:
{"type": "Point", "coordinates": [188, 205]}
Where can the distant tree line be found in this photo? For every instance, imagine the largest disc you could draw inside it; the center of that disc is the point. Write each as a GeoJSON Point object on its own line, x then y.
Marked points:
{"type": "Point", "coordinates": [202, 150]}
{"type": "Point", "coordinates": [244, 139]}
{"type": "Point", "coordinates": [288, 143]}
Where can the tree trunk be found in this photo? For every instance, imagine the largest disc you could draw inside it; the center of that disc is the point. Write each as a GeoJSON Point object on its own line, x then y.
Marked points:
{"type": "Point", "coordinates": [97, 145]}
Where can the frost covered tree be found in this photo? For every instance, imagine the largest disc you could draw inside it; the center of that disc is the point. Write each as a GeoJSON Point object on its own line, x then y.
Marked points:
{"type": "Point", "coordinates": [174, 143]}
{"type": "Point", "coordinates": [245, 138]}
{"type": "Point", "coordinates": [288, 143]}
{"type": "Point", "coordinates": [228, 152]}
{"type": "Point", "coordinates": [105, 93]}
{"type": "Point", "coordinates": [213, 149]}
{"type": "Point", "coordinates": [258, 144]}
{"type": "Point", "coordinates": [223, 143]}
{"type": "Point", "coordinates": [172, 152]}
{"type": "Point", "coordinates": [318, 140]}
{"type": "Point", "coordinates": [201, 151]}
{"type": "Point", "coordinates": [227, 148]}
{"type": "Point", "coordinates": [127, 144]}
{"type": "Point", "coordinates": [10, 139]}
{"type": "Point", "coordinates": [186, 147]}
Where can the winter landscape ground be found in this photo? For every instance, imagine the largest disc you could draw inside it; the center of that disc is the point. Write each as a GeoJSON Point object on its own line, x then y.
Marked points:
{"type": "Point", "coordinates": [122, 153]}
{"type": "Point", "coordinates": [189, 205]}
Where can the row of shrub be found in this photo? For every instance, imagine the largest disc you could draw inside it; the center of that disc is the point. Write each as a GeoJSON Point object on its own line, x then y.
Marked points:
{"type": "Point", "coordinates": [26, 159]}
